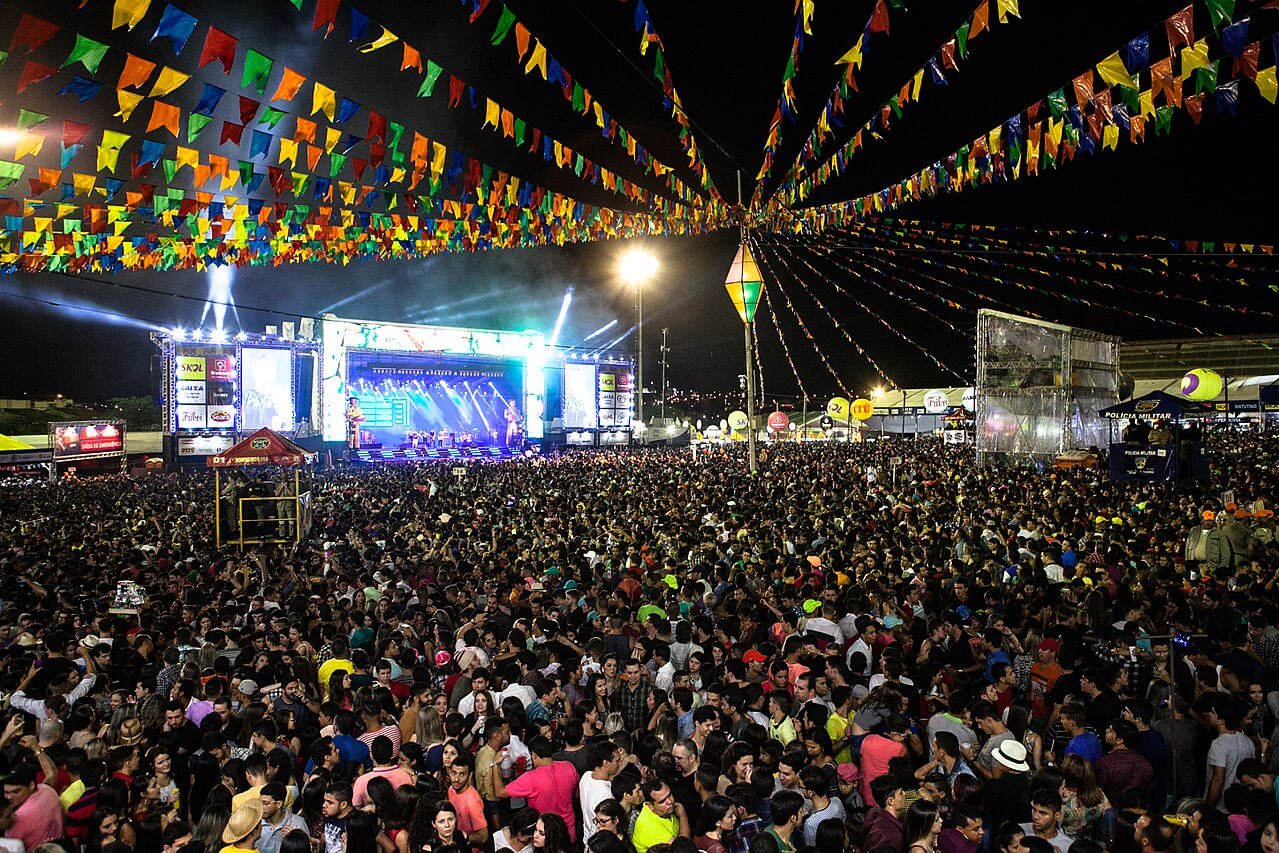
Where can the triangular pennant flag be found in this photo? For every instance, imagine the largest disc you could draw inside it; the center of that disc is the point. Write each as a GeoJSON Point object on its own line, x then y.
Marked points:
{"type": "Point", "coordinates": [32, 33]}
{"type": "Point", "coordinates": [129, 13]}
{"type": "Point", "coordinates": [128, 102]}
{"type": "Point", "coordinates": [324, 98]}
{"type": "Point", "coordinates": [433, 72]}
{"type": "Point", "coordinates": [257, 69]}
{"type": "Point", "coordinates": [1267, 83]}
{"type": "Point", "coordinates": [87, 52]}
{"type": "Point", "coordinates": [380, 42]}
{"type": "Point", "coordinates": [166, 116]}
{"type": "Point", "coordinates": [346, 111]}
{"type": "Point", "coordinates": [504, 24]}
{"type": "Point", "coordinates": [196, 124]}
{"type": "Point", "coordinates": [170, 80]}
{"type": "Point", "coordinates": [82, 87]}
{"type": "Point", "coordinates": [34, 72]}
{"type": "Point", "coordinates": [1112, 70]}
{"type": "Point", "coordinates": [218, 46]}
{"type": "Point", "coordinates": [878, 18]}
{"type": "Point", "coordinates": [1005, 8]}
{"type": "Point", "coordinates": [209, 99]}
{"type": "Point", "coordinates": [359, 25]}
{"type": "Point", "coordinates": [136, 72]}
{"type": "Point", "coordinates": [290, 85]}
{"type": "Point", "coordinates": [412, 58]}
{"type": "Point", "coordinates": [259, 144]}
{"type": "Point", "coordinates": [176, 26]}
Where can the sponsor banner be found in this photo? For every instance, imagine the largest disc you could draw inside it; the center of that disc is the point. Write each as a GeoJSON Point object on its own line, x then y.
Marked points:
{"type": "Point", "coordinates": [221, 368]}
{"type": "Point", "coordinates": [190, 392]}
{"type": "Point", "coordinates": [221, 417]}
{"type": "Point", "coordinates": [608, 382]}
{"type": "Point", "coordinates": [205, 445]}
{"type": "Point", "coordinates": [192, 417]}
{"type": "Point", "coordinates": [191, 367]}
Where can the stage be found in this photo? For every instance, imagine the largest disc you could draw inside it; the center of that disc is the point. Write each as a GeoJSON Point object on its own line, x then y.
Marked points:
{"type": "Point", "coordinates": [385, 456]}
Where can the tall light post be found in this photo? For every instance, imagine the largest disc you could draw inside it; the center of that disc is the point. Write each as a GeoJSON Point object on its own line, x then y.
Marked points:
{"type": "Point", "coordinates": [637, 267]}
{"type": "Point", "coordinates": [744, 284]}
{"type": "Point", "coordinates": [665, 350]}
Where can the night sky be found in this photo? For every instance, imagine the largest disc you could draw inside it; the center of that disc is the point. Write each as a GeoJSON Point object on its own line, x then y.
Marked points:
{"type": "Point", "coordinates": [1214, 181]}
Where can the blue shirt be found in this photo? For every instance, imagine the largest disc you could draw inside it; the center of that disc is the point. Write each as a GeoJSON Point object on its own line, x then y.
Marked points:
{"type": "Point", "coordinates": [351, 749]}
{"type": "Point", "coordinates": [997, 656]}
{"type": "Point", "coordinates": [1086, 746]}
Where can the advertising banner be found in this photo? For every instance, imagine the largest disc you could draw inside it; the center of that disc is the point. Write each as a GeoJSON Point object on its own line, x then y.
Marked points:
{"type": "Point", "coordinates": [86, 439]}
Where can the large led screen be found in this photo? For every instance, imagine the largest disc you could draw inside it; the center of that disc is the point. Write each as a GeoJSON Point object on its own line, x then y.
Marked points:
{"type": "Point", "coordinates": [266, 377]}
{"type": "Point", "coordinates": [579, 397]}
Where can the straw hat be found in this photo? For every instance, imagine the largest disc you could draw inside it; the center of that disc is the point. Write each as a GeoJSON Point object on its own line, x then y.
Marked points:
{"type": "Point", "coordinates": [130, 732]}
{"type": "Point", "coordinates": [243, 821]}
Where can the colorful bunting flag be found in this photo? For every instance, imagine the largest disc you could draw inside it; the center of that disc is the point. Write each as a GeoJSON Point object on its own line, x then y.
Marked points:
{"type": "Point", "coordinates": [175, 25]}
{"type": "Point", "coordinates": [87, 52]}
{"type": "Point", "coordinates": [220, 47]}
{"type": "Point", "coordinates": [129, 13]}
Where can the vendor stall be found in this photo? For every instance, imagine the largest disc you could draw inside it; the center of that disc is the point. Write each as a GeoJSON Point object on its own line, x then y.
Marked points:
{"type": "Point", "coordinates": [262, 490]}
{"type": "Point", "coordinates": [1160, 441]}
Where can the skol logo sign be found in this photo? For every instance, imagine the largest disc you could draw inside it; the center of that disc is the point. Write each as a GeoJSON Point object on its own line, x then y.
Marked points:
{"type": "Point", "coordinates": [191, 367]}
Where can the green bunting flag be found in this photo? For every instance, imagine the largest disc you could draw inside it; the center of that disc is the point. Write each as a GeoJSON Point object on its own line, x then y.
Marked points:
{"type": "Point", "coordinates": [433, 73]}
{"type": "Point", "coordinates": [195, 125]}
{"type": "Point", "coordinates": [504, 25]}
{"type": "Point", "coordinates": [257, 68]}
{"type": "Point", "coordinates": [87, 52]}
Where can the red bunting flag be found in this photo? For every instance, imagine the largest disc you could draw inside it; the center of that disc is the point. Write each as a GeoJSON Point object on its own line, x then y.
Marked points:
{"type": "Point", "coordinates": [73, 133]}
{"type": "Point", "coordinates": [34, 72]}
{"type": "Point", "coordinates": [1181, 28]}
{"type": "Point", "coordinates": [220, 46]}
{"type": "Point", "coordinates": [879, 18]}
{"type": "Point", "coordinates": [1195, 106]}
{"type": "Point", "coordinates": [377, 126]}
{"type": "Point", "coordinates": [248, 109]}
{"type": "Point", "coordinates": [456, 88]}
{"type": "Point", "coordinates": [326, 13]}
{"type": "Point", "coordinates": [32, 33]}
{"type": "Point", "coordinates": [231, 132]}
{"type": "Point", "coordinates": [479, 10]}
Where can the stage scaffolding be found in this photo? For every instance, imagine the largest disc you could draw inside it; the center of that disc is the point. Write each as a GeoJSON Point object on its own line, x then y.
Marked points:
{"type": "Point", "coordinates": [1040, 386]}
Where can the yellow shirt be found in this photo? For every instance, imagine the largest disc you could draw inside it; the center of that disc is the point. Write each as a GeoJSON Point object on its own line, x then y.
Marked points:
{"type": "Point", "coordinates": [73, 792]}
{"type": "Point", "coordinates": [651, 829]}
{"type": "Point", "coordinates": [835, 728]}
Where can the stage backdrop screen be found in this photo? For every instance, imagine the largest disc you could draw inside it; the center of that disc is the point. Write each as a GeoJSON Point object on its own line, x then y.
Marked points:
{"type": "Point", "coordinates": [579, 397]}
{"type": "Point", "coordinates": [266, 376]}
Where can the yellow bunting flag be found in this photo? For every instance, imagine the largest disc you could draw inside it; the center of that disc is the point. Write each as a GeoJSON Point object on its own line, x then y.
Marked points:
{"type": "Point", "coordinates": [128, 103]}
{"type": "Point", "coordinates": [1194, 57]}
{"type": "Point", "coordinates": [187, 157]}
{"type": "Point", "coordinates": [129, 13]}
{"type": "Point", "coordinates": [1113, 71]}
{"type": "Point", "coordinates": [332, 136]}
{"type": "Point", "coordinates": [288, 151]}
{"type": "Point", "coordinates": [324, 98]}
{"type": "Point", "coordinates": [28, 144]}
{"type": "Point", "coordinates": [1006, 8]}
{"type": "Point", "coordinates": [854, 55]}
{"type": "Point", "coordinates": [1267, 84]}
{"type": "Point", "coordinates": [1110, 136]}
{"type": "Point", "coordinates": [1147, 103]}
{"type": "Point", "coordinates": [917, 85]}
{"type": "Point", "coordinates": [537, 60]}
{"type": "Point", "coordinates": [492, 113]}
{"type": "Point", "coordinates": [84, 184]}
{"type": "Point", "coordinates": [169, 81]}
{"type": "Point", "coordinates": [381, 41]}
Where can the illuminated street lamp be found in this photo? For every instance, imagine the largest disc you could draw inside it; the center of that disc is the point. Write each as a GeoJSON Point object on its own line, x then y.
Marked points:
{"type": "Point", "coordinates": [637, 267]}
{"type": "Point", "coordinates": [745, 284]}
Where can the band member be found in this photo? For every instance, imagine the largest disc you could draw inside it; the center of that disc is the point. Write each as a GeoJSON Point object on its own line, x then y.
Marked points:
{"type": "Point", "coordinates": [354, 417]}
{"type": "Point", "coordinates": [512, 423]}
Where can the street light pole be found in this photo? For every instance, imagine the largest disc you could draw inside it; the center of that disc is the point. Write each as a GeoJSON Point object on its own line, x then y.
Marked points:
{"type": "Point", "coordinates": [639, 391]}
{"type": "Point", "coordinates": [750, 399]}
{"type": "Point", "coordinates": [665, 350]}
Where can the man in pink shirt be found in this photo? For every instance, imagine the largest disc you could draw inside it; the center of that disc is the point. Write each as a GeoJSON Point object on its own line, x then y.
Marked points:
{"type": "Point", "coordinates": [466, 800]}
{"type": "Point", "coordinates": [385, 766]}
{"type": "Point", "coordinates": [550, 786]}
{"type": "Point", "coordinates": [878, 750]}
{"type": "Point", "coordinates": [38, 815]}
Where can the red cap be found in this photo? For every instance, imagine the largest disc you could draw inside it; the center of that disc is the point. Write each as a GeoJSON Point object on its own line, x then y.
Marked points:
{"type": "Point", "coordinates": [1050, 644]}
{"type": "Point", "coordinates": [752, 656]}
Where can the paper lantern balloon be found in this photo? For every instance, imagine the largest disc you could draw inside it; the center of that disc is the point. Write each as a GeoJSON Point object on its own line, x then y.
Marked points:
{"type": "Point", "coordinates": [737, 420]}
{"type": "Point", "coordinates": [862, 408]}
{"type": "Point", "coordinates": [777, 421]}
{"type": "Point", "coordinates": [1201, 384]}
{"type": "Point", "coordinates": [837, 408]}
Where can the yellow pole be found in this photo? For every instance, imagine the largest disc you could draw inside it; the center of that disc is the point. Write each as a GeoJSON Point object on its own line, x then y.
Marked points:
{"type": "Point", "coordinates": [217, 505]}
{"type": "Point", "coordinates": [297, 506]}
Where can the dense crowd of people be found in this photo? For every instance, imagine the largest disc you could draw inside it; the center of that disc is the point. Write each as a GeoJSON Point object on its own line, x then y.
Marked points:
{"type": "Point", "coordinates": [643, 652]}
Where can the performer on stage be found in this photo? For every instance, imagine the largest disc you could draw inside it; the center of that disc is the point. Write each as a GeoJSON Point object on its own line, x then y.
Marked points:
{"type": "Point", "coordinates": [354, 417]}
{"type": "Point", "coordinates": [513, 422]}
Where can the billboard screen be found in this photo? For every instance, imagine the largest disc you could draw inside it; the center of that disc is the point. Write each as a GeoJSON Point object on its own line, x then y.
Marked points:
{"type": "Point", "coordinates": [266, 399]}
{"type": "Point", "coordinates": [579, 397]}
{"type": "Point", "coordinates": [86, 439]}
